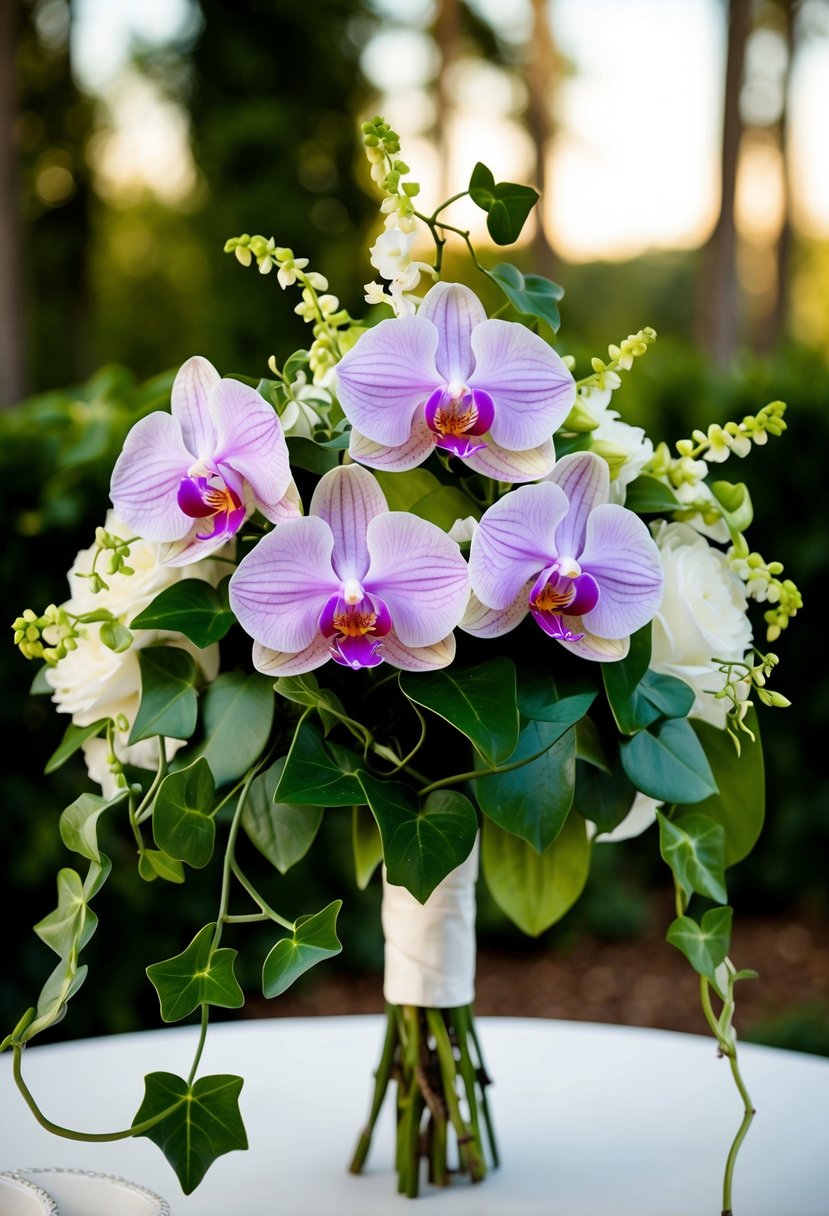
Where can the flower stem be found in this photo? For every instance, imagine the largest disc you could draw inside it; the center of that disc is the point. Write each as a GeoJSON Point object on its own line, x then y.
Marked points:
{"type": "Point", "coordinates": [381, 1083]}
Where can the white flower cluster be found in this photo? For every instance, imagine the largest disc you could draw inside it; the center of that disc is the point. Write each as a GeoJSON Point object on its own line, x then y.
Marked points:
{"type": "Point", "coordinates": [391, 256]}
{"type": "Point", "coordinates": [93, 682]}
{"type": "Point", "coordinates": [627, 449]}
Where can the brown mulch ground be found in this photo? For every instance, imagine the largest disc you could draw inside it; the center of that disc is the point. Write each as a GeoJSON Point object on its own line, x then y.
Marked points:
{"type": "Point", "coordinates": [644, 982]}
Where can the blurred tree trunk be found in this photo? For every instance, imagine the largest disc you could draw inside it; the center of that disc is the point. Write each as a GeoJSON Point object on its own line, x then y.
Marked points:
{"type": "Point", "coordinates": [718, 298]}
{"type": "Point", "coordinates": [542, 70]}
{"type": "Point", "coordinates": [11, 275]}
{"type": "Point", "coordinates": [447, 35]}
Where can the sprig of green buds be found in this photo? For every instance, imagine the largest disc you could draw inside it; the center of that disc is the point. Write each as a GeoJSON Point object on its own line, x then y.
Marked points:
{"type": "Point", "coordinates": [118, 550]}
{"type": "Point", "coordinates": [382, 148]}
{"type": "Point", "coordinates": [740, 679]}
{"type": "Point", "coordinates": [54, 627]}
{"type": "Point", "coordinates": [719, 442]}
{"type": "Point", "coordinates": [764, 585]}
{"type": "Point", "coordinates": [621, 357]}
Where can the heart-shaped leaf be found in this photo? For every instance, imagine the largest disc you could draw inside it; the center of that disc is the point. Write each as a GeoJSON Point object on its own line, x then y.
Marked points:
{"type": "Point", "coordinates": [200, 975]}
{"type": "Point", "coordinates": [314, 939]}
{"type": "Point", "coordinates": [668, 763]}
{"type": "Point", "coordinates": [480, 702]}
{"type": "Point", "coordinates": [536, 889]}
{"type": "Point", "coordinates": [182, 823]}
{"type": "Point", "coordinates": [155, 863]}
{"type": "Point", "coordinates": [318, 773]}
{"type": "Point", "coordinates": [168, 695]}
{"type": "Point", "coordinates": [704, 945]}
{"type": "Point", "coordinates": [192, 607]}
{"type": "Point", "coordinates": [531, 295]}
{"type": "Point", "coordinates": [281, 831]}
{"type": "Point", "coordinates": [200, 1122]}
{"type": "Point", "coordinates": [533, 801]}
{"type": "Point", "coordinates": [694, 847]}
{"type": "Point", "coordinates": [71, 925]}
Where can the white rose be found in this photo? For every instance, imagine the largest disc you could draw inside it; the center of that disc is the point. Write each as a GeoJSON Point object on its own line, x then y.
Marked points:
{"type": "Point", "coordinates": [632, 440]}
{"type": "Point", "coordinates": [702, 616]}
{"type": "Point", "coordinates": [687, 493]}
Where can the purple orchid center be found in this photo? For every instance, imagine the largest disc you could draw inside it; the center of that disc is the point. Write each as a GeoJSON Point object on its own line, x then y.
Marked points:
{"type": "Point", "coordinates": [204, 494]}
{"type": "Point", "coordinates": [455, 412]}
{"type": "Point", "coordinates": [562, 590]}
{"type": "Point", "coordinates": [355, 622]}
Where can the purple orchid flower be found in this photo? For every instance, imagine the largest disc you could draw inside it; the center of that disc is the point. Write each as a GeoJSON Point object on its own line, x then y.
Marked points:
{"type": "Point", "coordinates": [351, 581]}
{"type": "Point", "coordinates": [191, 477]}
{"type": "Point", "coordinates": [488, 391]}
{"type": "Point", "coordinates": [587, 569]}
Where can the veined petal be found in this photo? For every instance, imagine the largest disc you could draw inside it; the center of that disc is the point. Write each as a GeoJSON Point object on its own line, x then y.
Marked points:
{"type": "Point", "coordinates": [455, 311]}
{"type": "Point", "coordinates": [419, 445]}
{"type": "Point", "coordinates": [249, 439]}
{"type": "Point", "coordinates": [483, 622]}
{"type": "Point", "coordinates": [289, 505]}
{"type": "Point", "coordinates": [418, 658]}
{"type": "Point", "coordinates": [589, 646]}
{"type": "Point", "coordinates": [282, 663]}
{"type": "Point", "coordinates": [514, 542]}
{"type": "Point", "coordinates": [503, 465]}
{"type": "Point", "coordinates": [532, 389]}
{"type": "Point", "coordinates": [386, 376]}
{"type": "Point", "coordinates": [195, 546]}
{"type": "Point", "coordinates": [622, 556]}
{"type": "Point", "coordinates": [585, 479]}
{"type": "Point", "coordinates": [348, 498]}
{"type": "Point", "coordinates": [188, 403]}
{"type": "Point", "coordinates": [279, 589]}
{"type": "Point", "coordinates": [419, 572]}
{"type": "Point", "coordinates": [146, 477]}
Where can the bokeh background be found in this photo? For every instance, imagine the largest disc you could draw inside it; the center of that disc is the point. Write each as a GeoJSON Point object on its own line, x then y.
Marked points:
{"type": "Point", "coordinates": [682, 150]}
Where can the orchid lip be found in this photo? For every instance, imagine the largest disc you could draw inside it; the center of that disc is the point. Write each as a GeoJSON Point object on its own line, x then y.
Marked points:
{"type": "Point", "coordinates": [211, 498]}
{"type": "Point", "coordinates": [560, 590]}
{"type": "Point", "coordinates": [454, 412]}
{"type": "Point", "coordinates": [356, 628]}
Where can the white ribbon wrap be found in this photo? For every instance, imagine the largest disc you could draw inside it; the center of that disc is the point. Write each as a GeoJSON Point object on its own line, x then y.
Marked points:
{"type": "Point", "coordinates": [430, 948]}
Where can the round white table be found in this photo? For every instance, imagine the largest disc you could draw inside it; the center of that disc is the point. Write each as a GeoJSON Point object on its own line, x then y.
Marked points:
{"type": "Point", "coordinates": [592, 1121]}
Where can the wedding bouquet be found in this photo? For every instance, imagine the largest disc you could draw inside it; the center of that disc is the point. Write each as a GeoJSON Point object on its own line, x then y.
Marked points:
{"type": "Point", "coordinates": [487, 614]}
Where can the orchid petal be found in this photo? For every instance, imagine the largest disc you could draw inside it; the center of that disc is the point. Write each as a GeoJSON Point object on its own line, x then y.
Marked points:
{"type": "Point", "coordinates": [532, 389]}
{"type": "Point", "coordinates": [289, 505]}
{"type": "Point", "coordinates": [514, 542]}
{"type": "Point", "coordinates": [383, 379]}
{"type": "Point", "coordinates": [418, 658]}
{"type": "Point", "coordinates": [502, 465]}
{"type": "Point", "coordinates": [622, 556]}
{"type": "Point", "coordinates": [589, 646]}
{"type": "Point", "coordinates": [249, 439]}
{"type": "Point", "coordinates": [455, 311]}
{"type": "Point", "coordinates": [585, 479]}
{"type": "Point", "coordinates": [194, 547]}
{"type": "Point", "coordinates": [348, 498]}
{"type": "Point", "coordinates": [188, 402]}
{"type": "Point", "coordinates": [146, 478]}
{"type": "Point", "coordinates": [419, 445]}
{"type": "Point", "coordinates": [279, 589]}
{"type": "Point", "coordinates": [483, 622]}
{"type": "Point", "coordinates": [282, 663]}
{"type": "Point", "coordinates": [420, 573]}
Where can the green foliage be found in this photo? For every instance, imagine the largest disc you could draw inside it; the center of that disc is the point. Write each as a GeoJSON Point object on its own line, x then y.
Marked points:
{"type": "Point", "coordinates": [531, 295]}
{"type": "Point", "coordinates": [73, 740]}
{"type": "Point", "coordinates": [317, 773]}
{"type": "Point", "coordinates": [314, 938]}
{"type": "Point", "coordinates": [536, 889]}
{"type": "Point", "coordinates": [739, 805]}
{"type": "Point", "coordinates": [200, 975]}
{"type": "Point", "coordinates": [647, 496]}
{"type": "Point", "coordinates": [281, 831]}
{"type": "Point", "coordinates": [694, 847]}
{"type": "Point", "coordinates": [479, 701]}
{"type": "Point", "coordinates": [168, 695]}
{"type": "Point", "coordinates": [191, 607]}
{"type": "Point", "coordinates": [182, 824]}
{"type": "Point", "coordinates": [507, 204]}
{"type": "Point", "coordinates": [533, 801]}
{"type": "Point", "coordinates": [237, 712]}
{"type": "Point", "coordinates": [705, 945]}
{"type": "Point", "coordinates": [668, 763]}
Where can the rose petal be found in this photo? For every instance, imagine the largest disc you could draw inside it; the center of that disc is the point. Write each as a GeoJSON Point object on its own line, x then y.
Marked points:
{"type": "Point", "coordinates": [420, 573]}
{"type": "Point", "coordinates": [514, 542]}
{"type": "Point", "coordinates": [455, 311]}
{"type": "Point", "coordinates": [418, 658]}
{"type": "Point", "coordinates": [501, 465]}
{"type": "Point", "coordinates": [281, 663]}
{"type": "Point", "coordinates": [348, 498]}
{"type": "Point", "coordinates": [532, 389]}
{"type": "Point", "coordinates": [279, 589]}
{"type": "Point", "coordinates": [249, 439]}
{"type": "Point", "coordinates": [188, 402]}
{"type": "Point", "coordinates": [419, 445]}
{"type": "Point", "coordinates": [146, 478]}
{"type": "Point", "coordinates": [585, 479]}
{"type": "Point", "coordinates": [483, 622]}
{"type": "Point", "coordinates": [621, 555]}
{"type": "Point", "coordinates": [386, 376]}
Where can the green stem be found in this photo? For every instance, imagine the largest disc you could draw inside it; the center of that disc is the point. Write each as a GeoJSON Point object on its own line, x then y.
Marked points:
{"type": "Point", "coordinates": [381, 1084]}
{"type": "Point", "coordinates": [69, 1133]}
{"type": "Point", "coordinates": [478, 773]}
{"type": "Point", "coordinates": [145, 807]}
{"type": "Point", "coordinates": [468, 1146]}
{"type": "Point", "coordinates": [739, 1138]}
{"type": "Point", "coordinates": [270, 914]}
{"type": "Point", "coordinates": [205, 1020]}
{"type": "Point", "coordinates": [484, 1082]}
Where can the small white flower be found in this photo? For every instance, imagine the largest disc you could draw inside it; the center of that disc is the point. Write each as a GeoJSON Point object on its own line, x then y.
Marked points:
{"type": "Point", "coordinates": [375, 293]}
{"type": "Point", "coordinates": [630, 439]}
{"type": "Point", "coordinates": [702, 616]}
{"type": "Point", "coordinates": [391, 253]}
{"type": "Point", "coordinates": [463, 529]}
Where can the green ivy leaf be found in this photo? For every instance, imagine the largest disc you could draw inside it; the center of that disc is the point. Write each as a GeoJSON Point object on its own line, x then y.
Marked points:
{"type": "Point", "coordinates": [79, 823]}
{"type": "Point", "coordinates": [366, 844]}
{"type": "Point", "coordinates": [740, 804]}
{"type": "Point", "coordinates": [305, 690]}
{"type": "Point", "coordinates": [317, 458]}
{"type": "Point", "coordinates": [281, 831]}
{"type": "Point", "coordinates": [314, 939]}
{"type": "Point", "coordinates": [318, 773]}
{"type": "Point", "coordinates": [668, 763]}
{"type": "Point", "coordinates": [506, 203]}
{"type": "Point", "coordinates": [73, 739]}
{"type": "Point", "coordinates": [402, 490]}
{"type": "Point", "coordinates": [55, 995]}
{"type": "Point", "coordinates": [480, 702]}
{"type": "Point", "coordinates": [155, 863]}
{"type": "Point", "coordinates": [237, 712]}
{"type": "Point", "coordinates": [201, 1121]}
{"type": "Point", "coordinates": [444, 506]}
{"type": "Point", "coordinates": [622, 678]}
{"type": "Point", "coordinates": [422, 842]}
{"type": "Point", "coordinates": [648, 496]}
{"type": "Point", "coordinates": [191, 607]}
{"type": "Point", "coordinates": [199, 975]}
{"type": "Point", "coordinates": [71, 925]}
{"type": "Point", "coordinates": [694, 847]}
{"type": "Point", "coordinates": [182, 824]}
{"type": "Point", "coordinates": [603, 798]}
{"type": "Point", "coordinates": [168, 694]}
{"type": "Point", "coordinates": [536, 889]}
{"type": "Point", "coordinates": [533, 801]}
{"type": "Point", "coordinates": [531, 295]}
{"type": "Point", "coordinates": [705, 945]}
{"type": "Point", "coordinates": [482, 186]}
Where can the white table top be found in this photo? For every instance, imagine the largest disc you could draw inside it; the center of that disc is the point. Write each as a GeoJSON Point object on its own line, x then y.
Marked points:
{"type": "Point", "coordinates": [592, 1121]}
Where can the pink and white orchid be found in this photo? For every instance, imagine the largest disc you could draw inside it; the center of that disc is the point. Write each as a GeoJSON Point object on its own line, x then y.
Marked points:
{"type": "Point", "coordinates": [191, 477]}
{"type": "Point", "coordinates": [353, 582]}
{"type": "Point", "coordinates": [587, 569]}
{"type": "Point", "coordinates": [490, 392]}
